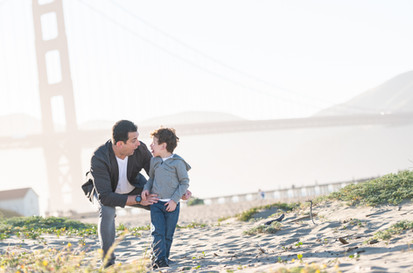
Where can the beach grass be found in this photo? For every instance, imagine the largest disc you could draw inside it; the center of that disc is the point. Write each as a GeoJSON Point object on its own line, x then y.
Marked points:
{"type": "Point", "coordinates": [195, 201]}
{"type": "Point", "coordinates": [192, 225]}
{"type": "Point", "coordinates": [269, 229]}
{"type": "Point", "coordinates": [390, 189]}
{"type": "Point", "coordinates": [247, 215]}
{"type": "Point", "coordinates": [313, 268]}
{"type": "Point", "coordinates": [64, 260]}
{"type": "Point", "coordinates": [135, 231]}
{"type": "Point", "coordinates": [32, 227]}
{"type": "Point", "coordinates": [395, 229]}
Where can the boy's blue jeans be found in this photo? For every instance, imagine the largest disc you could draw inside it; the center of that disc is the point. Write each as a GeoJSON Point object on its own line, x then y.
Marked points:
{"type": "Point", "coordinates": [163, 228]}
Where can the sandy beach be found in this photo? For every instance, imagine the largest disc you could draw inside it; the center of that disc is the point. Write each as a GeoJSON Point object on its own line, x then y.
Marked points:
{"type": "Point", "coordinates": [341, 239]}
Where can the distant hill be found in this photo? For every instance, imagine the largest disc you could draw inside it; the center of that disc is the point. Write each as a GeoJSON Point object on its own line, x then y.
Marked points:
{"type": "Point", "coordinates": [393, 96]}
{"type": "Point", "coordinates": [189, 117]}
{"type": "Point", "coordinates": [97, 125]}
{"type": "Point", "coordinates": [167, 120]}
{"type": "Point", "coordinates": [21, 125]}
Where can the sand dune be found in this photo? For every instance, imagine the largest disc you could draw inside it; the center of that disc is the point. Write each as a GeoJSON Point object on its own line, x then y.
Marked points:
{"type": "Point", "coordinates": [339, 240]}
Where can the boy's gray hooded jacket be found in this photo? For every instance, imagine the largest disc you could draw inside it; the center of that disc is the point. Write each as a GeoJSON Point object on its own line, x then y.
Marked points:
{"type": "Point", "coordinates": [168, 179]}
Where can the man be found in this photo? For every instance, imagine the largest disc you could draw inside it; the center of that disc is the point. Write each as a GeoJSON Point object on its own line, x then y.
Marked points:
{"type": "Point", "coordinates": [115, 181]}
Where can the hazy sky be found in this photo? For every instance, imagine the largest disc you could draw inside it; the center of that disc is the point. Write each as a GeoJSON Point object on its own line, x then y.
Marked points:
{"type": "Point", "coordinates": [261, 59]}
{"type": "Point", "coordinates": [255, 59]}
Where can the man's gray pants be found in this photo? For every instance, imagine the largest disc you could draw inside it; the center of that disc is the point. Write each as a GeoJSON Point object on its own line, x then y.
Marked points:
{"type": "Point", "coordinates": [106, 224]}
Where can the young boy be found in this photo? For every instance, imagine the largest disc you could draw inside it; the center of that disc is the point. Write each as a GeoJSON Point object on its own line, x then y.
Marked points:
{"type": "Point", "coordinates": [168, 178]}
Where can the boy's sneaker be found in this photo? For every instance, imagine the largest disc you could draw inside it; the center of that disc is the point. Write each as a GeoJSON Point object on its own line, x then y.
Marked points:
{"type": "Point", "coordinates": [159, 264]}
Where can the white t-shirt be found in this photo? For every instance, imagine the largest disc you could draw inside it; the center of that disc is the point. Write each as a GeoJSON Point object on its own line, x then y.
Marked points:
{"type": "Point", "coordinates": [123, 184]}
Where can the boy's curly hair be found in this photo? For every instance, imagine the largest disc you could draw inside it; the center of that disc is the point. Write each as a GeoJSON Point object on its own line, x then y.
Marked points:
{"type": "Point", "coordinates": [168, 136]}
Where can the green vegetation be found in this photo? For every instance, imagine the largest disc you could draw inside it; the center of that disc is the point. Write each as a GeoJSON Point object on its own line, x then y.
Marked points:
{"type": "Point", "coordinates": [33, 227]}
{"type": "Point", "coordinates": [192, 225]}
{"type": "Point", "coordinates": [270, 229]}
{"type": "Point", "coordinates": [66, 259]}
{"type": "Point", "coordinates": [221, 219]}
{"type": "Point", "coordinates": [397, 228]}
{"type": "Point", "coordinates": [313, 268]}
{"type": "Point", "coordinates": [247, 215]}
{"type": "Point", "coordinates": [135, 231]}
{"type": "Point", "coordinates": [389, 189]}
{"type": "Point", "coordinates": [354, 222]}
{"type": "Point", "coordinates": [62, 261]}
{"type": "Point", "coordinates": [195, 201]}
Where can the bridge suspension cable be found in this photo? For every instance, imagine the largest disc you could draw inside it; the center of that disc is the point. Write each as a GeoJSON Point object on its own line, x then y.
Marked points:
{"type": "Point", "coordinates": [304, 99]}
{"type": "Point", "coordinates": [206, 57]}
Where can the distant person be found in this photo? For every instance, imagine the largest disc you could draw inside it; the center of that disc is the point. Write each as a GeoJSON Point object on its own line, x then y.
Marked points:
{"type": "Point", "coordinates": [168, 179]}
{"type": "Point", "coordinates": [261, 194]}
{"type": "Point", "coordinates": [114, 180]}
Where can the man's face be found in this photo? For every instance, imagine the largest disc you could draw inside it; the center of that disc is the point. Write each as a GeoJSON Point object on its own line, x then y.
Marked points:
{"type": "Point", "coordinates": [131, 144]}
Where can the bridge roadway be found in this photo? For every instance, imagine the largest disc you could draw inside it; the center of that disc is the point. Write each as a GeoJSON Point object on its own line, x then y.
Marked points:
{"type": "Point", "coordinates": [87, 138]}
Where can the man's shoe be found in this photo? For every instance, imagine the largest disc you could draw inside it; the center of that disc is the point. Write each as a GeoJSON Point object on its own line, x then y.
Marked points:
{"type": "Point", "coordinates": [159, 264]}
{"type": "Point", "coordinates": [108, 264]}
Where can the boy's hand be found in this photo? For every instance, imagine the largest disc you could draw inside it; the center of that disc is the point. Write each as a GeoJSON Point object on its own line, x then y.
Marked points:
{"type": "Point", "coordinates": [150, 199]}
{"type": "Point", "coordinates": [170, 205]}
{"type": "Point", "coordinates": [144, 195]}
{"type": "Point", "coordinates": [186, 195]}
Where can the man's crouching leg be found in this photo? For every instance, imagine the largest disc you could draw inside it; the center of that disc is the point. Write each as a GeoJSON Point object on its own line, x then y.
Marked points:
{"type": "Point", "coordinates": [107, 232]}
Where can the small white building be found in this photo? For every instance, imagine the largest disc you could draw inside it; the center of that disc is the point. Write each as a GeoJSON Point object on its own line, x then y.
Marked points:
{"type": "Point", "coordinates": [22, 201]}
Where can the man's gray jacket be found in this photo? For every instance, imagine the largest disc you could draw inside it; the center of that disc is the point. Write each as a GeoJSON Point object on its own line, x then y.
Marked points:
{"type": "Point", "coordinates": [168, 179]}
{"type": "Point", "coordinates": [104, 172]}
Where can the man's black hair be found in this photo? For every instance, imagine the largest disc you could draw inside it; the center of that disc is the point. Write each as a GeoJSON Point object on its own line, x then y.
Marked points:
{"type": "Point", "coordinates": [121, 129]}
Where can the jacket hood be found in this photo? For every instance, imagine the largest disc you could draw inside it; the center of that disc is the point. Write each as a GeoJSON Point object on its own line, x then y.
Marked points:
{"type": "Point", "coordinates": [177, 157]}
{"type": "Point", "coordinates": [171, 161]}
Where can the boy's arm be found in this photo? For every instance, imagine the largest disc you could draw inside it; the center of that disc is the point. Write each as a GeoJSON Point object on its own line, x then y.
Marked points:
{"type": "Point", "coordinates": [148, 185]}
{"type": "Point", "coordinates": [182, 175]}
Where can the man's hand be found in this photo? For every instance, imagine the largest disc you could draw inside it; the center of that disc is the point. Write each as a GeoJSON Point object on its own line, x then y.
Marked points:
{"type": "Point", "coordinates": [144, 195]}
{"type": "Point", "coordinates": [186, 195]}
{"type": "Point", "coordinates": [170, 205]}
{"type": "Point", "coordinates": [150, 199]}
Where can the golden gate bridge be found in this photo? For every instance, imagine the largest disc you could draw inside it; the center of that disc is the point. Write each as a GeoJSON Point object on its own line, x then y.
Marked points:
{"type": "Point", "coordinates": [62, 148]}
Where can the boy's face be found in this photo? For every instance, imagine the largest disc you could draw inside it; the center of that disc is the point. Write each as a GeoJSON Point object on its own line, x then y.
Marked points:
{"type": "Point", "coordinates": [156, 148]}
